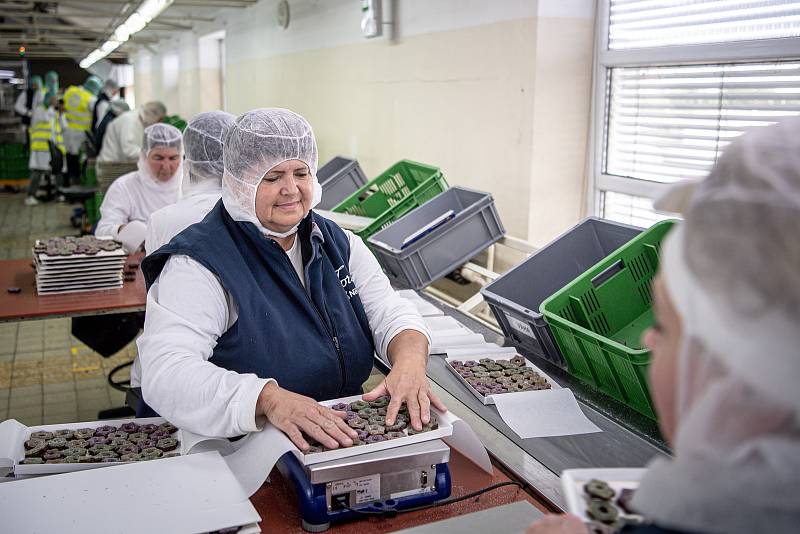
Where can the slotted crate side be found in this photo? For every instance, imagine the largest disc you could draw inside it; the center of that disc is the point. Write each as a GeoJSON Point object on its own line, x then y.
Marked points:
{"type": "Point", "coordinates": [398, 190]}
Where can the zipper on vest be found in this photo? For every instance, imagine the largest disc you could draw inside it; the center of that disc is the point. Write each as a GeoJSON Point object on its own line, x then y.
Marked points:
{"type": "Point", "coordinates": [334, 338]}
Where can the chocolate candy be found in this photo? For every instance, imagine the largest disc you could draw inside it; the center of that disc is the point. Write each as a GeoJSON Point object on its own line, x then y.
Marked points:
{"type": "Point", "coordinates": [130, 428]}
{"type": "Point", "coordinates": [168, 427]}
{"type": "Point", "coordinates": [148, 429]}
{"type": "Point", "coordinates": [33, 443]}
{"type": "Point", "coordinates": [84, 433]}
{"type": "Point", "coordinates": [42, 434]}
{"type": "Point", "coordinates": [167, 444]}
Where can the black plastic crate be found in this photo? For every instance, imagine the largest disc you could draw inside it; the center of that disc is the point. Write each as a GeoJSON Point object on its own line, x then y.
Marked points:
{"type": "Point", "coordinates": [515, 297]}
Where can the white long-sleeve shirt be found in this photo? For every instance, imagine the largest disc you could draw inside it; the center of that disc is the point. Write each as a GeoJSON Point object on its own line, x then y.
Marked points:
{"type": "Point", "coordinates": [134, 197]}
{"type": "Point", "coordinates": [187, 312]}
{"type": "Point", "coordinates": [22, 99]}
{"type": "Point", "coordinates": [123, 139]}
{"type": "Point", "coordinates": [169, 221]}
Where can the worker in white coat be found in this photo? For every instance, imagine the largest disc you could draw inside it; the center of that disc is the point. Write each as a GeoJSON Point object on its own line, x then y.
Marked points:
{"type": "Point", "coordinates": [136, 195]}
{"type": "Point", "coordinates": [201, 186]}
{"type": "Point", "coordinates": [265, 307]}
{"type": "Point", "coordinates": [724, 348]}
{"type": "Point", "coordinates": [107, 94]}
{"type": "Point", "coordinates": [30, 100]}
{"type": "Point", "coordinates": [123, 137]}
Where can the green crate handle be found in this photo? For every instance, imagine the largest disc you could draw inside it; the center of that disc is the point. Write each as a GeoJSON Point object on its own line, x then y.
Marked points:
{"type": "Point", "coordinates": [616, 267]}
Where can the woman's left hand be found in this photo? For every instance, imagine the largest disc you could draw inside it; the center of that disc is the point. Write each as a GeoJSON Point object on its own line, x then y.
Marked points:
{"type": "Point", "coordinates": [407, 381]}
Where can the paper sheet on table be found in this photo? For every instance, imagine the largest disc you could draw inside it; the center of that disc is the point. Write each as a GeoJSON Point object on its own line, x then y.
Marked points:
{"type": "Point", "coordinates": [544, 413]}
{"type": "Point", "coordinates": [132, 236]}
{"type": "Point", "coordinates": [194, 493]}
{"type": "Point", "coordinates": [345, 220]}
{"type": "Point", "coordinates": [442, 322]}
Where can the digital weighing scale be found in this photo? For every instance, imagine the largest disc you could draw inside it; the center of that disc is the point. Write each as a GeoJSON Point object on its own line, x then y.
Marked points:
{"type": "Point", "coordinates": [382, 481]}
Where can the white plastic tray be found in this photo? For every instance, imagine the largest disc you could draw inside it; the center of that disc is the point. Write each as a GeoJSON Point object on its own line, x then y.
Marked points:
{"type": "Point", "coordinates": [489, 399]}
{"type": "Point", "coordinates": [573, 480]}
{"type": "Point", "coordinates": [13, 435]}
{"type": "Point", "coordinates": [445, 429]}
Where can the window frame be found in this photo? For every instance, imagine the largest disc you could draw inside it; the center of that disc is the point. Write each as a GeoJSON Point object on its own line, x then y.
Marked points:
{"type": "Point", "coordinates": [781, 49]}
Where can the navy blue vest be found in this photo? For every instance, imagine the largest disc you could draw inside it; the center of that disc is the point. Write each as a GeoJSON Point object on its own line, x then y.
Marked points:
{"type": "Point", "coordinates": [314, 341]}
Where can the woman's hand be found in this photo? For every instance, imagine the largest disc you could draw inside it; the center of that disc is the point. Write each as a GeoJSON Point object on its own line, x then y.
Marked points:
{"type": "Point", "coordinates": [558, 524]}
{"type": "Point", "coordinates": [407, 381]}
{"type": "Point", "coordinates": [294, 414]}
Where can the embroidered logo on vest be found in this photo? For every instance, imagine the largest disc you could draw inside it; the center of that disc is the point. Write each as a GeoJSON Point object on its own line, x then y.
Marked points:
{"type": "Point", "coordinates": [347, 283]}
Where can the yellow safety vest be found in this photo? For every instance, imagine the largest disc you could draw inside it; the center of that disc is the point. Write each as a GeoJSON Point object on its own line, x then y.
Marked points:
{"type": "Point", "coordinates": [76, 108]}
{"type": "Point", "coordinates": [42, 132]}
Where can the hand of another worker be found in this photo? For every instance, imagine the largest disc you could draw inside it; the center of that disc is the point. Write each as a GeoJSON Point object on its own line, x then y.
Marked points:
{"type": "Point", "coordinates": [558, 524]}
{"type": "Point", "coordinates": [407, 381]}
{"type": "Point", "coordinates": [296, 414]}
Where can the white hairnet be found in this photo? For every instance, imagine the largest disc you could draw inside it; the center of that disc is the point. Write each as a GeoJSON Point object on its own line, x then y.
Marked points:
{"type": "Point", "coordinates": [159, 136]}
{"type": "Point", "coordinates": [152, 113]}
{"type": "Point", "coordinates": [732, 270]}
{"type": "Point", "coordinates": [203, 139]}
{"type": "Point", "coordinates": [258, 141]}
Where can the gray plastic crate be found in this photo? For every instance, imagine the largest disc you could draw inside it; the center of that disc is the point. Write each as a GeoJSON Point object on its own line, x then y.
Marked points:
{"type": "Point", "coordinates": [339, 178]}
{"type": "Point", "coordinates": [515, 297]}
{"type": "Point", "coordinates": [474, 227]}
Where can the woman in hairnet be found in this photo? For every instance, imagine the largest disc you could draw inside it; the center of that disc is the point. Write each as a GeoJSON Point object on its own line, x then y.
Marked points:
{"type": "Point", "coordinates": [264, 307]}
{"type": "Point", "coordinates": [134, 196]}
{"type": "Point", "coordinates": [201, 187]}
{"type": "Point", "coordinates": [725, 369]}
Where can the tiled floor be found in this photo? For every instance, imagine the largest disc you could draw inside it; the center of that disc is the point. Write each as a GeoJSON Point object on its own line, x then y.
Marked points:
{"type": "Point", "coordinates": [46, 375]}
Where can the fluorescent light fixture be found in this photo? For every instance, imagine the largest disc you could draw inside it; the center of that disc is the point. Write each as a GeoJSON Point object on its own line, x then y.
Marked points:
{"type": "Point", "coordinates": [146, 12]}
{"type": "Point", "coordinates": [6, 74]}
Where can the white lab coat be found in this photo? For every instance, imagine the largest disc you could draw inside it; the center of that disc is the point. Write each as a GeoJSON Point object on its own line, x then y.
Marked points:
{"type": "Point", "coordinates": [123, 139]}
{"type": "Point", "coordinates": [168, 222]}
{"type": "Point", "coordinates": [134, 197]}
{"type": "Point", "coordinates": [22, 109]}
{"type": "Point", "coordinates": [188, 310]}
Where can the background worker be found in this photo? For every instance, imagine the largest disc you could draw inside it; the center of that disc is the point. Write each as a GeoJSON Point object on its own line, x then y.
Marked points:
{"type": "Point", "coordinates": [123, 136]}
{"type": "Point", "coordinates": [78, 108]}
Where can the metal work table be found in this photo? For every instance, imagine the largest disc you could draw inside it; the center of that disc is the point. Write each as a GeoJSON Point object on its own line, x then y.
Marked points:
{"type": "Point", "coordinates": [627, 440]}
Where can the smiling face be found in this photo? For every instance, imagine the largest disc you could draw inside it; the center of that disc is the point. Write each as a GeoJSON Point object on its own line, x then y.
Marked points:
{"type": "Point", "coordinates": [284, 196]}
{"type": "Point", "coordinates": [664, 341]}
{"type": "Point", "coordinates": [163, 162]}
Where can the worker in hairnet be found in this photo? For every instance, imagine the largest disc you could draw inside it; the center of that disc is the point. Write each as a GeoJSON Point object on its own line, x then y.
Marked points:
{"type": "Point", "coordinates": [30, 99]}
{"type": "Point", "coordinates": [51, 84]}
{"type": "Point", "coordinates": [265, 307]}
{"type": "Point", "coordinates": [136, 195]}
{"type": "Point", "coordinates": [78, 108]}
{"type": "Point", "coordinates": [201, 186]}
{"type": "Point", "coordinates": [46, 146]}
{"type": "Point", "coordinates": [123, 137]}
{"type": "Point", "coordinates": [104, 99]}
{"type": "Point", "coordinates": [725, 349]}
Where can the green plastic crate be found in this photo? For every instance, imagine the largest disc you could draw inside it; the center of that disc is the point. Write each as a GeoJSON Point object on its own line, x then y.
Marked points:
{"type": "Point", "coordinates": [175, 121]}
{"type": "Point", "coordinates": [597, 320]}
{"type": "Point", "coordinates": [398, 190]}
{"type": "Point", "coordinates": [13, 162]}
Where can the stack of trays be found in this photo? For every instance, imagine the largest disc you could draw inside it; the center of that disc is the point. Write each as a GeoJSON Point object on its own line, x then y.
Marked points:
{"type": "Point", "coordinates": [73, 264]}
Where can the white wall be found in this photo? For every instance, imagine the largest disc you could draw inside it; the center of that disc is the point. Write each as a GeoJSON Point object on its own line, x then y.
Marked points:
{"type": "Point", "coordinates": [496, 93]}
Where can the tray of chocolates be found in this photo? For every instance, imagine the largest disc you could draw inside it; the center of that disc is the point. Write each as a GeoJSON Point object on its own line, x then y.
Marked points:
{"type": "Point", "coordinates": [71, 447]}
{"type": "Point", "coordinates": [70, 264]}
{"type": "Point", "coordinates": [368, 419]}
{"type": "Point", "coordinates": [602, 497]}
{"type": "Point", "coordinates": [498, 374]}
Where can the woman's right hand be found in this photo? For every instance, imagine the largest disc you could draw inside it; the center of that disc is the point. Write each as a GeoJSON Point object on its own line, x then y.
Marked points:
{"type": "Point", "coordinates": [297, 414]}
